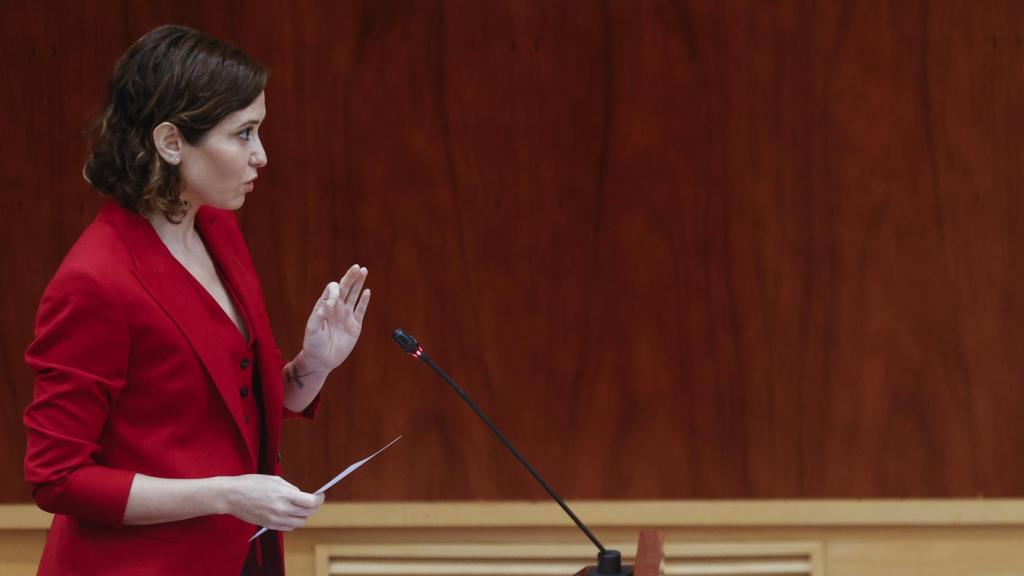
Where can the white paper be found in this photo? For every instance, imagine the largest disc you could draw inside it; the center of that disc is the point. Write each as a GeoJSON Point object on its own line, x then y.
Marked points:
{"type": "Point", "coordinates": [338, 478]}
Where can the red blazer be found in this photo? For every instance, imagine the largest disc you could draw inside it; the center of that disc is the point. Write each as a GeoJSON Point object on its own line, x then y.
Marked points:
{"type": "Point", "coordinates": [129, 379]}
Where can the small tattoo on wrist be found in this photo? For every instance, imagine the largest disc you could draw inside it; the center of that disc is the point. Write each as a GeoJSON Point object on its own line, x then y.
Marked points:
{"type": "Point", "coordinates": [296, 378]}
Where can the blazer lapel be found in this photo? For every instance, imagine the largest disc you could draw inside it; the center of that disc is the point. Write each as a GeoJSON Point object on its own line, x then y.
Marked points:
{"type": "Point", "coordinates": [225, 244]}
{"type": "Point", "coordinates": [168, 282]}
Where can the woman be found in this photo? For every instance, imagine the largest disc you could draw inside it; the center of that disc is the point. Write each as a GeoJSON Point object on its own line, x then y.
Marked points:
{"type": "Point", "coordinates": [154, 429]}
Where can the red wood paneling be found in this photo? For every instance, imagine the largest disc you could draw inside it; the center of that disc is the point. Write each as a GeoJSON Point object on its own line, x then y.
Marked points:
{"type": "Point", "coordinates": [675, 249]}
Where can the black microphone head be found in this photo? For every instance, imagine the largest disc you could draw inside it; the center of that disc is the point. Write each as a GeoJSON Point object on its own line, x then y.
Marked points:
{"type": "Point", "coordinates": [408, 343]}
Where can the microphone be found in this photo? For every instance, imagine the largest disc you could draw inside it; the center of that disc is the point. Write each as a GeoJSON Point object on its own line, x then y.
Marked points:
{"type": "Point", "coordinates": [609, 562]}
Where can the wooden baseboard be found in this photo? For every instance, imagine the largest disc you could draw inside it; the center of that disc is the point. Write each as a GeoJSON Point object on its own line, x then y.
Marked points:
{"type": "Point", "coordinates": [806, 537]}
{"type": "Point", "coordinates": [543, 559]}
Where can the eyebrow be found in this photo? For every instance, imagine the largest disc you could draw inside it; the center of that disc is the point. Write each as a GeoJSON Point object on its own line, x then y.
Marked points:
{"type": "Point", "coordinates": [249, 122]}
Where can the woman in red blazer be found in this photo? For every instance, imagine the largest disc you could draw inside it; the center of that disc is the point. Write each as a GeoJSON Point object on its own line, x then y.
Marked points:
{"type": "Point", "coordinates": [154, 430]}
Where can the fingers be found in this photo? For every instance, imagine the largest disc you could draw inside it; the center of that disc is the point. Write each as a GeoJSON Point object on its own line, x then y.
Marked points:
{"type": "Point", "coordinates": [357, 287]}
{"type": "Point", "coordinates": [326, 305]}
{"type": "Point", "coordinates": [340, 298]}
{"type": "Point", "coordinates": [301, 506]}
{"type": "Point", "coordinates": [287, 523]}
{"type": "Point", "coordinates": [351, 284]}
{"type": "Point", "coordinates": [273, 502]}
{"type": "Point", "coordinates": [364, 301]}
{"type": "Point", "coordinates": [306, 501]}
{"type": "Point", "coordinates": [351, 292]}
{"type": "Point", "coordinates": [349, 280]}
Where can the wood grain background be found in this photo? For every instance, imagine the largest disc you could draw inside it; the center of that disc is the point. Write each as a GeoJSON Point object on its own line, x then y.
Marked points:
{"type": "Point", "coordinates": [706, 249]}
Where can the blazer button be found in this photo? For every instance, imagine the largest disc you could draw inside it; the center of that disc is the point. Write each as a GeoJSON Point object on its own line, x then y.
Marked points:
{"type": "Point", "coordinates": [278, 457]}
{"type": "Point", "coordinates": [245, 363]}
{"type": "Point", "coordinates": [244, 391]}
{"type": "Point", "coordinates": [246, 418]}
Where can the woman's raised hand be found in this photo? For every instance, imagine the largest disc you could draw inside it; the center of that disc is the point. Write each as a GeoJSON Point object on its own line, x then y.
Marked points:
{"type": "Point", "coordinates": [334, 325]}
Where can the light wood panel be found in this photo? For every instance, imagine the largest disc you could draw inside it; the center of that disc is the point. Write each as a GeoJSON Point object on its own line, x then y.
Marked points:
{"type": "Point", "coordinates": [764, 558]}
{"type": "Point", "coordinates": [828, 538]}
{"type": "Point", "coordinates": [772, 247]}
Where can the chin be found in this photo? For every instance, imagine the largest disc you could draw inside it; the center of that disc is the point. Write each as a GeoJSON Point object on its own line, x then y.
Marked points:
{"type": "Point", "coordinates": [233, 204]}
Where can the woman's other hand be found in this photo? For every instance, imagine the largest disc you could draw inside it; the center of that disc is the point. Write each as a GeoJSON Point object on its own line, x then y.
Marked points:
{"type": "Point", "coordinates": [335, 323]}
{"type": "Point", "coordinates": [269, 501]}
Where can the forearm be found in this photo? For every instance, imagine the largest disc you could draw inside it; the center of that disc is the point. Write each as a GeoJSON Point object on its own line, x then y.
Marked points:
{"type": "Point", "coordinates": [301, 383]}
{"type": "Point", "coordinates": [157, 500]}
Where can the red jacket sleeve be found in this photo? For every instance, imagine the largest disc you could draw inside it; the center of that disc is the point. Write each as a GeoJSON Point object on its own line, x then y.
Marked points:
{"type": "Point", "coordinates": [80, 358]}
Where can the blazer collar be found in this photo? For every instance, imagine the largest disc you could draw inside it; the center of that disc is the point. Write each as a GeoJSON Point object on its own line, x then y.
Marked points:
{"type": "Point", "coordinates": [167, 281]}
{"type": "Point", "coordinates": [147, 249]}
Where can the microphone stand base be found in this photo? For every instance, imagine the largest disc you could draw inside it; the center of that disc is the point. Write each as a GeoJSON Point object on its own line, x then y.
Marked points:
{"type": "Point", "coordinates": [609, 563]}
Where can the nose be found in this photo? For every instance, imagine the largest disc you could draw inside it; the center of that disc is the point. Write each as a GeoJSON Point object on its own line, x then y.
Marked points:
{"type": "Point", "coordinates": [259, 156]}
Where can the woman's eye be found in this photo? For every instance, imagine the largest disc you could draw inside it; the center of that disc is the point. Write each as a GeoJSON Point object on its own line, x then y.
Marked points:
{"type": "Point", "coordinates": [246, 134]}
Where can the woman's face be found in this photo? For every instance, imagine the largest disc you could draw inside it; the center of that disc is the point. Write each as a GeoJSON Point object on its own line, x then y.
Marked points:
{"type": "Point", "coordinates": [219, 171]}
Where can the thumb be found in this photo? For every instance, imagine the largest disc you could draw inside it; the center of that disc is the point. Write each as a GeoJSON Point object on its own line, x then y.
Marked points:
{"type": "Point", "coordinates": [316, 317]}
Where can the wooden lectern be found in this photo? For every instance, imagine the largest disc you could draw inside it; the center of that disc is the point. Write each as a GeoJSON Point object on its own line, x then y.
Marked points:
{"type": "Point", "coordinates": [649, 555]}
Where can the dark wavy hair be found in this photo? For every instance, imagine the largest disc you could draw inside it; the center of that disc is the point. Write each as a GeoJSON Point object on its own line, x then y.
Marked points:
{"type": "Point", "coordinates": [172, 74]}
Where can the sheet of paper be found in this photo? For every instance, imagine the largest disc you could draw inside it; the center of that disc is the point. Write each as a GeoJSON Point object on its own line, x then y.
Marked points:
{"type": "Point", "coordinates": [355, 466]}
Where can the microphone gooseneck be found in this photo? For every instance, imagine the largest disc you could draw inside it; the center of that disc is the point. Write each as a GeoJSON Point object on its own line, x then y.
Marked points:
{"type": "Point", "coordinates": [609, 561]}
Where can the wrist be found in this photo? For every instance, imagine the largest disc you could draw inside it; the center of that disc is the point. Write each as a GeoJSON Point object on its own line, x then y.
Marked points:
{"type": "Point", "coordinates": [221, 495]}
{"type": "Point", "coordinates": [303, 367]}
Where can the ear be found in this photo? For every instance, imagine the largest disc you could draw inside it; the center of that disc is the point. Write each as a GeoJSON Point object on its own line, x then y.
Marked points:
{"type": "Point", "coordinates": [168, 141]}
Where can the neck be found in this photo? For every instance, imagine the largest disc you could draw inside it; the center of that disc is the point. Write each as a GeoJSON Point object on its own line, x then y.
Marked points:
{"type": "Point", "coordinates": [180, 237]}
